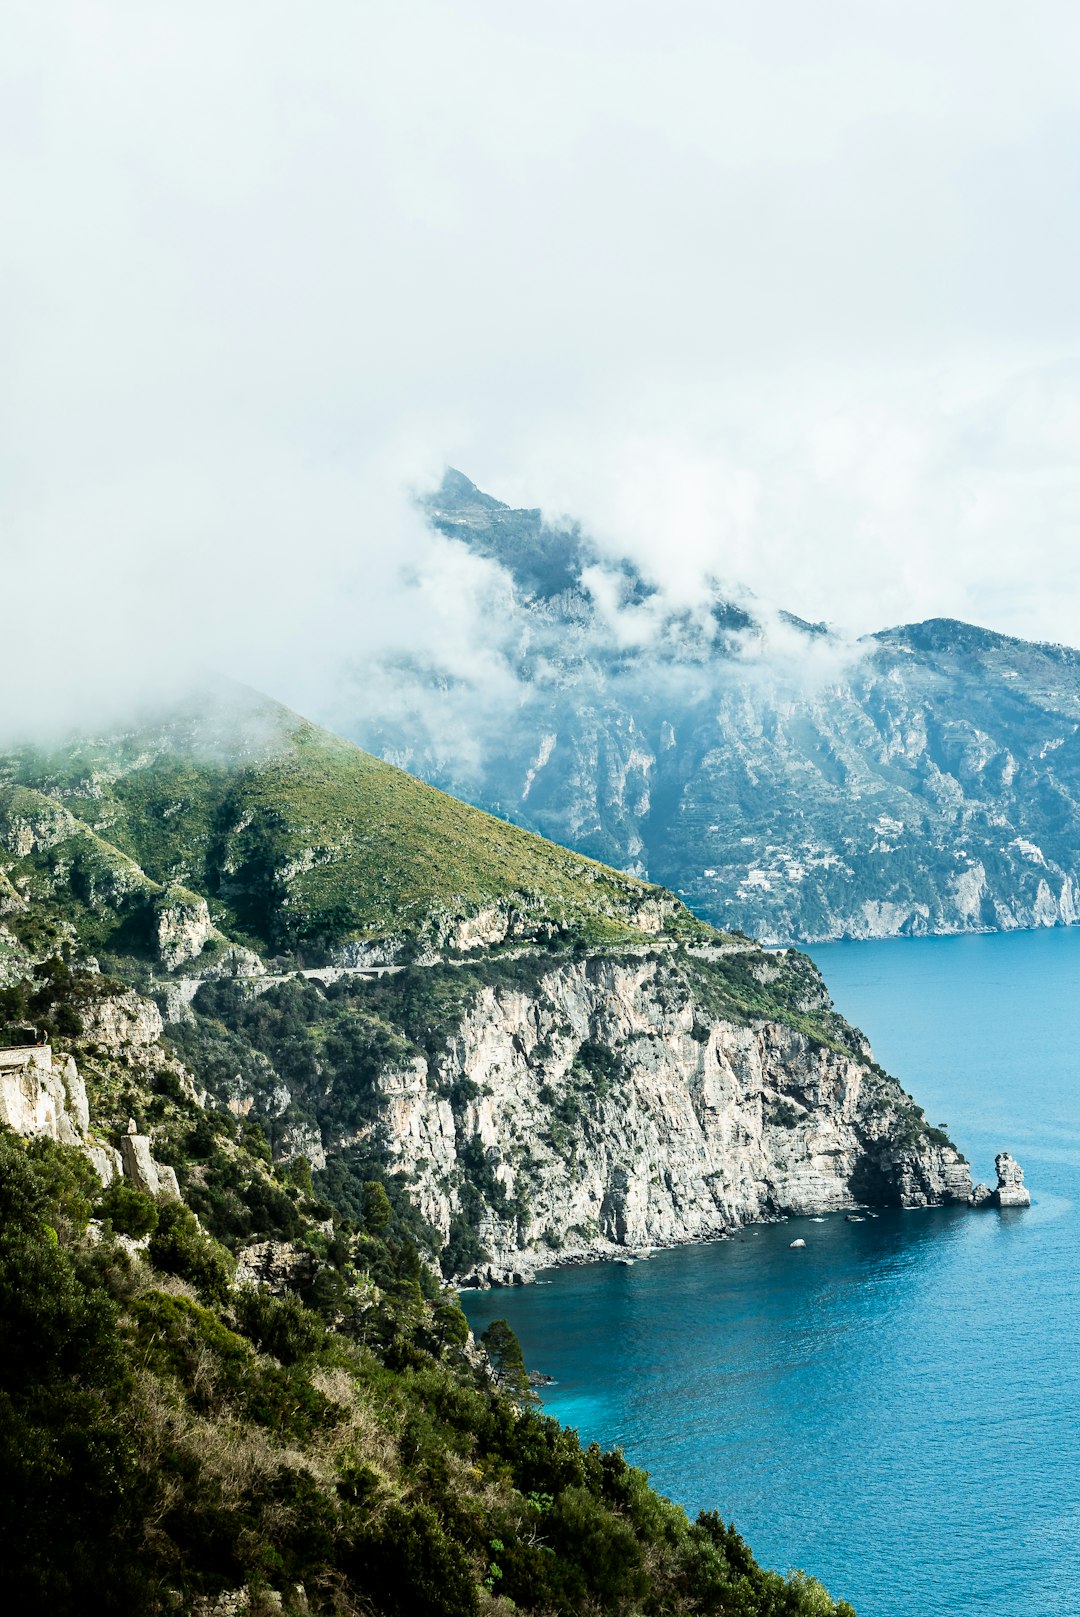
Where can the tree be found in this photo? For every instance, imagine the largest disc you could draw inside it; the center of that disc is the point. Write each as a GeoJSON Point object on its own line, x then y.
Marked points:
{"type": "Point", "coordinates": [507, 1359]}
{"type": "Point", "coordinates": [450, 1326]}
{"type": "Point", "coordinates": [377, 1208]}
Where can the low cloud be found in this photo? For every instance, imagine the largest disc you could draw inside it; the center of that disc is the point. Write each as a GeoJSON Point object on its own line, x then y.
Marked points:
{"type": "Point", "coordinates": [770, 302]}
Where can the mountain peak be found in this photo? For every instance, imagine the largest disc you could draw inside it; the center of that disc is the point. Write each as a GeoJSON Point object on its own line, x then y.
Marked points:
{"type": "Point", "coordinates": [544, 560]}
{"type": "Point", "coordinates": [458, 492]}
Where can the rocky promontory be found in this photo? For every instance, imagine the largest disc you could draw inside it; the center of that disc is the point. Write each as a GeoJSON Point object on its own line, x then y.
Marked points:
{"type": "Point", "coordinates": [593, 1105]}
{"type": "Point", "coordinates": [1010, 1190]}
{"type": "Point", "coordinates": [544, 1058]}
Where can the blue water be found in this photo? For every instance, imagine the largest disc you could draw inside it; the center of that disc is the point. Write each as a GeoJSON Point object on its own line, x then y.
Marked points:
{"type": "Point", "coordinates": [895, 1408]}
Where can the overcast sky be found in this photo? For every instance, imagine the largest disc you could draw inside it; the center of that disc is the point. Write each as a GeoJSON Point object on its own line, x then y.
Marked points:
{"type": "Point", "coordinates": [784, 292]}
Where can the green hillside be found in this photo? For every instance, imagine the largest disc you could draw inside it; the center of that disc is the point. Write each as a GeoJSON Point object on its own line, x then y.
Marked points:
{"type": "Point", "coordinates": [173, 1442]}
{"type": "Point", "coordinates": [322, 1440]}
{"type": "Point", "coordinates": [300, 842]}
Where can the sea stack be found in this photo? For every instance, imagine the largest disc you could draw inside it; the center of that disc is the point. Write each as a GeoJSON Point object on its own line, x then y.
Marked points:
{"type": "Point", "coordinates": [1011, 1190]}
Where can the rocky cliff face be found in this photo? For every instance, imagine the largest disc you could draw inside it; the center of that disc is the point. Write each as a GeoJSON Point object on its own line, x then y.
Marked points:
{"type": "Point", "coordinates": [1010, 1190]}
{"type": "Point", "coordinates": [42, 1097]}
{"type": "Point", "coordinates": [780, 779]}
{"type": "Point", "coordinates": [610, 1106]}
{"type": "Point", "coordinates": [544, 1055]}
{"type": "Point", "coordinates": [533, 1105]}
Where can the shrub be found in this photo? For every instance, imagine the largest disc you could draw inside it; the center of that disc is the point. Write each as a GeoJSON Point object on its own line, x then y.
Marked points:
{"type": "Point", "coordinates": [281, 1326]}
{"type": "Point", "coordinates": [179, 1247]}
{"type": "Point", "coordinates": [61, 1183]}
{"type": "Point", "coordinates": [409, 1567]}
{"type": "Point", "coordinates": [129, 1211]}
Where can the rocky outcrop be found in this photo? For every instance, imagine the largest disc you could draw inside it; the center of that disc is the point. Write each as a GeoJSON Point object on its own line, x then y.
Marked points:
{"type": "Point", "coordinates": [42, 1095]}
{"type": "Point", "coordinates": [128, 1025]}
{"type": "Point", "coordinates": [280, 1266]}
{"type": "Point", "coordinates": [137, 1158]}
{"type": "Point", "coordinates": [606, 1108]}
{"type": "Point", "coordinates": [1010, 1190]}
{"type": "Point", "coordinates": [183, 927]}
{"type": "Point", "coordinates": [122, 1019]}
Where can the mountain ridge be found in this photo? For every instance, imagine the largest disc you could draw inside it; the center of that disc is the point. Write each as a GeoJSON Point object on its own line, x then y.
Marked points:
{"type": "Point", "coordinates": [781, 779]}
{"type": "Point", "coordinates": [234, 1188]}
{"type": "Point", "coordinates": [299, 840]}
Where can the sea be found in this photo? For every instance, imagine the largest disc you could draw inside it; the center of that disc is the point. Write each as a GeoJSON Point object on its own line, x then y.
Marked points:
{"type": "Point", "coordinates": [894, 1408]}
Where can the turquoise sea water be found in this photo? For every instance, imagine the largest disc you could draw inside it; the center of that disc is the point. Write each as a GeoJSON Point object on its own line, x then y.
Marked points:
{"type": "Point", "coordinates": [896, 1408]}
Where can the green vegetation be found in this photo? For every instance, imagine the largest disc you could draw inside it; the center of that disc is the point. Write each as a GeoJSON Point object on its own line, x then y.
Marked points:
{"type": "Point", "coordinates": [165, 1436]}
{"type": "Point", "coordinates": [785, 987]}
{"type": "Point", "coordinates": [197, 1434]}
{"type": "Point", "coordinates": [507, 1360]}
{"type": "Point", "coordinates": [299, 841]}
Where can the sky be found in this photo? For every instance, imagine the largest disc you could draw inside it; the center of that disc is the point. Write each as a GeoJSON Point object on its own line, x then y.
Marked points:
{"type": "Point", "coordinates": [783, 294]}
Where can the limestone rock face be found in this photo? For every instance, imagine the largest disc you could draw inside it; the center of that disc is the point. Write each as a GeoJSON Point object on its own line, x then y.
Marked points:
{"type": "Point", "coordinates": [123, 1019]}
{"type": "Point", "coordinates": [40, 1095]}
{"type": "Point", "coordinates": [155, 1178]}
{"type": "Point", "coordinates": [1011, 1190]}
{"type": "Point", "coordinates": [183, 927]}
{"type": "Point", "coordinates": [302, 1140]}
{"type": "Point", "coordinates": [707, 1124]}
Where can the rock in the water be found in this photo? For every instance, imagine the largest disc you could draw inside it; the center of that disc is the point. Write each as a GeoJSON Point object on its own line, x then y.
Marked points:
{"type": "Point", "coordinates": [1011, 1190]}
{"type": "Point", "coordinates": [799, 1242]}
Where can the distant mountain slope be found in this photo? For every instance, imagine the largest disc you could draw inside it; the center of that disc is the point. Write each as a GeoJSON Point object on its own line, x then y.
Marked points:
{"type": "Point", "coordinates": [235, 821]}
{"type": "Point", "coordinates": [778, 778]}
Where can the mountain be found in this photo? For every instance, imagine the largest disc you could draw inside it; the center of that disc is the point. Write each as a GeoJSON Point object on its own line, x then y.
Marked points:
{"type": "Point", "coordinates": [195, 1420]}
{"type": "Point", "coordinates": [284, 1033]}
{"type": "Point", "coordinates": [782, 780]}
{"type": "Point", "coordinates": [233, 815]}
{"type": "Point", "coordinates": [548, 1055]}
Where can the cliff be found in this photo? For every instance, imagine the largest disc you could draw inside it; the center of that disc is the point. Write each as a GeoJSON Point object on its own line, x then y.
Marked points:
{"type": "Point", "coordinates": [542, 1057]}
{"type": "Point", "coordinates": [609, 1108]}
{"type": "Point", "coordinates": [45, 1099]}
{"type": "Point", "coordinates": [536, 1109]}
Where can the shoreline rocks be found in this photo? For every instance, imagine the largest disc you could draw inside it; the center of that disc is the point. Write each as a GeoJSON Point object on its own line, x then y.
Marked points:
{"type": "Point", "coordinates": [1010, 1190]}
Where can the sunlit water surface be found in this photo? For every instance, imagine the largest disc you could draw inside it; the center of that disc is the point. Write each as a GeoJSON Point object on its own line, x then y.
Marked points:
{"type": "Point", "coordinates": [896, 1407]}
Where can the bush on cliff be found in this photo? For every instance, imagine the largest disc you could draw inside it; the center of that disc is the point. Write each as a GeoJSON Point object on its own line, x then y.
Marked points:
{"type": "Point", "coordinates": [155, 1448]}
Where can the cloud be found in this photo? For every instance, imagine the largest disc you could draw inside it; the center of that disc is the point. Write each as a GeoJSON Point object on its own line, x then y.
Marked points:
{"type": "Point", "coordinates": [779, 295]}
{"type": "Point", "coordinates": [862, 502]}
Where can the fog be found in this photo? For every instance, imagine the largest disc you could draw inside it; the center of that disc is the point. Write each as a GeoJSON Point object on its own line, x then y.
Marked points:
{"type": "Point", "coordinates": [779, 295]}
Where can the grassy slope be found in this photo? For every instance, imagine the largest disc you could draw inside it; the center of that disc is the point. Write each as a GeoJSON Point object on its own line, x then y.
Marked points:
{"type": "Point", "coordinates": [301, 840]}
